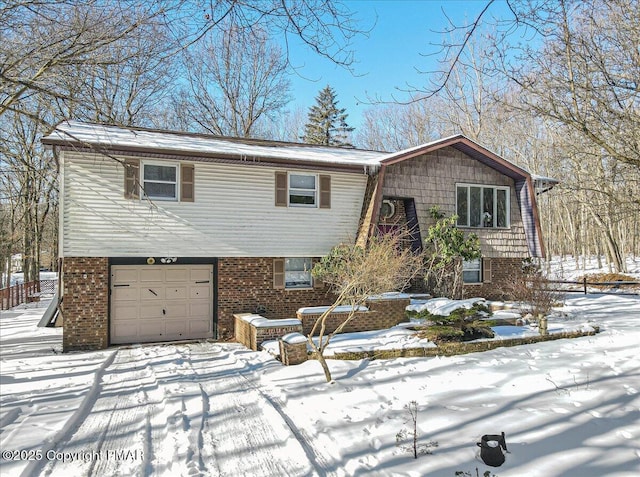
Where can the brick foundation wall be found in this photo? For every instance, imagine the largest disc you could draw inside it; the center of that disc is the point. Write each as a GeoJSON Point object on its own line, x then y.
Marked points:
{"type": "Point", "coordinates": [362, 321]}
{"type": "Point", "coordinates": [504, 272]}
{"type": "Point", "coordinates": [244, 284]}
{"type": "Point", "coordinates": [391, 310]}
{"type": "Point", "coordinates": [382, 314]}
{"type": "Point", "coordinates": [85, 303]}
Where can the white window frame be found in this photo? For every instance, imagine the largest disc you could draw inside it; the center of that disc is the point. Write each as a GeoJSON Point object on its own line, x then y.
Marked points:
{"type": "Point", "coordinates": [308, 265]}
{"type": "Point", "coordinates": [143, 181]}
{"type": "Point", "coordinates": [472, 266]}
{"type": "Point", "coordinates": [482, 187]}
{"type": "Point", "coordinates": [290, 190]}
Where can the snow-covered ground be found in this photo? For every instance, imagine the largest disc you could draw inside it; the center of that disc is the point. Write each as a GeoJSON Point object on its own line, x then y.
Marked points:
{"type": "Point", "coordinates": [18, 277]}
{"type": "Point", "coordinates": [568, 407]}
{"type": "Point", "coordinates": [571, 268]}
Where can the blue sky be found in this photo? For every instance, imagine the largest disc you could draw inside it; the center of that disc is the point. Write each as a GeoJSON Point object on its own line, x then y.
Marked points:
{"type": "Point", "coordinates": [404, 32]}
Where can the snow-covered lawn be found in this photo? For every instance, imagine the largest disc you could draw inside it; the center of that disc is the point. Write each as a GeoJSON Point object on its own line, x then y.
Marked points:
{"type": "Point", "coordinates": [569, 407]}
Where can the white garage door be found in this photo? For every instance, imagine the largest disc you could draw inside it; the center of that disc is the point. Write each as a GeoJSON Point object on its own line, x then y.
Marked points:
{"type": "Point", "coordinates": [161, 303]}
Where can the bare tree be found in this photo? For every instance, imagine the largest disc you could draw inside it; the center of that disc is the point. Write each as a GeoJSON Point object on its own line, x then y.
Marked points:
{"type": "Point", "coordinates": [393, 127]}
{"type": "Point", "coordinates": [29, 184]}
{"type": "Point", "coordinates": [564, 103]}
{"type": "Point", "coordinates": [354, 273]}
{"type": "Point", "coordinates": [237, 80]}
{"type": "Point", "coordinates": [131, 91]}
{"type": "Point", "coordinates": [43, 41]}
{"type": "Point", "coordinates": [579, 69]}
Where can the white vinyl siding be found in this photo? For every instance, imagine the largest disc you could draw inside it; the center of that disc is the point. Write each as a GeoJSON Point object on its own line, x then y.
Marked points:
{"type": "Point", "coordinates": [234, 214]}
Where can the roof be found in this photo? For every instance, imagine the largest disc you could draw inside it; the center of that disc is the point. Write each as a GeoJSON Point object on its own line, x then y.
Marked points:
{"type": "Point", "coordinates": [465, 145]}
{"type": "Point", "coordinates": [78, 134]}
{"type": "Point", "coordinates": [134, 139]}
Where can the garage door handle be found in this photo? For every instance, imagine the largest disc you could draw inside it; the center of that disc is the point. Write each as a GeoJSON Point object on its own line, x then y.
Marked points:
{"type": "Point", "coordinates": [114, 286]}
{"type": "Point", "coordinates": [203, 281]}
{"type": "Point", "coordinates": [154, 293]}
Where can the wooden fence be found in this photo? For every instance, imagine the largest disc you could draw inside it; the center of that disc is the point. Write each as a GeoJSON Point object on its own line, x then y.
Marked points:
{"type": "Point", "coordinates": [608, 288]}
{"type": "Point", "coordinates": [26, 292]}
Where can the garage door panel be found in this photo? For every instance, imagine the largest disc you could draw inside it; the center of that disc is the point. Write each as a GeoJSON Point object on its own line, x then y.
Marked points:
{"type": "Point", "coordinates": [176, 310]}
{"type": "Point", "coordinates": [176, 274]}
{"type": "Point", "coordinates": [176, 329]}
{"type": "Point", "coordinates": [199, 327]}
{"type": "Point", "coordinates": [161, 303]}
{"type": "Point", "coordinates": [176, 293]}
{"type": "Point", "coordinates": [199, 309]}
{"type": "Point", "coordinates": [200, 291]}
{"type": "Point", "coordinates": [151, 274]}
{"type": "Point", "coordinates": [123, 329]}
{"type": "Point", "coordinates": [124, 276]}
{"type": "Point", "coordinates": [152, 293]}
{"type": "Point", "coordinates": [199, 274]}
{"type": "Point", "coordinates": [148, 311]}
{"type": "Point", "coordinates": [150, 331]}
{"type": "Point", "coordinates": [120, 294]}
{"type": "Point", "coordinates": [124, 313]}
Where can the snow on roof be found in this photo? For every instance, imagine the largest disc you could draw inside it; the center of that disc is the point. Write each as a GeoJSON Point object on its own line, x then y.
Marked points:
{"type": "Point", "coordinates": [112, 136]}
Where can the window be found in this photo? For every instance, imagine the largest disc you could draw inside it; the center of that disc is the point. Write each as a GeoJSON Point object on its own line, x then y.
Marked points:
{"type": "Point", "coordinates": [471, 271]}
{"type": "Point", "coordinates": [302, 190]}
{"type": "Point", "coordinates": [297, 273]}
{"type": "Point", "coordinates": [482, 206]}
{"type": "Point", "coordinates": [160, 181]}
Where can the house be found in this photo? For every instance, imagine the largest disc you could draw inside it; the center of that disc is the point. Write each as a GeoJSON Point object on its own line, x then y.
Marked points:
{"type": "Point", "coordinates": [166, 235]}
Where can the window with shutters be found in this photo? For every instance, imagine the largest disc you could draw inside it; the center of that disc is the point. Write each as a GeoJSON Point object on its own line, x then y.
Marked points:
{"type": "Point", "coordinates": [159, 181]}
{"type": "Point", "coordinates": [303, 190]}
{"type": "Point", "coordinates": [296, 189]}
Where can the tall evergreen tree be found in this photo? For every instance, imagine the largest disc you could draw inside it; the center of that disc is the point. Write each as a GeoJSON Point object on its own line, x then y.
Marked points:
{"type": "Point", "coordinates": [326, 123]}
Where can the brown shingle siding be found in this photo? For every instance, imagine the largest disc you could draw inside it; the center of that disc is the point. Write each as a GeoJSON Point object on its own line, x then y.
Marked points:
{"type": "Point", "coordinates": [431, 179]}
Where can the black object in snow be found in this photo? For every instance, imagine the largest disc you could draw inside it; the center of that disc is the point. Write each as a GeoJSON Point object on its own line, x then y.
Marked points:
{"type": "Point", "coordinates": [491, 446]}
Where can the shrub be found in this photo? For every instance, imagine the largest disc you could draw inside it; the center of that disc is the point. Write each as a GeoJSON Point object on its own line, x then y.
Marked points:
{"type": "Point", "coordinates": [461, 325]}
{"type": "Point", "coordinates": [532, 288]}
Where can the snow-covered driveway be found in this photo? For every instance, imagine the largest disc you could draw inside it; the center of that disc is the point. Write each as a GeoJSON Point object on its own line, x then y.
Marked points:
{"type": "Point", "coordinates": [183, 410]}
{"type": "Point", "coordinates": [189, 409]}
